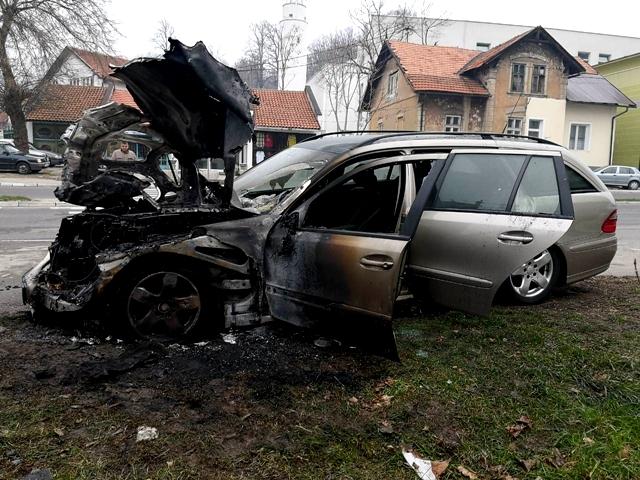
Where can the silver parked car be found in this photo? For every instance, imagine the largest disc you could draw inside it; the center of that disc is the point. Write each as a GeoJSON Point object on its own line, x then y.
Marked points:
{"type": "Point", "coordinates": [322, 234]}
{"type": "Point", "coordinates": [620, 176]}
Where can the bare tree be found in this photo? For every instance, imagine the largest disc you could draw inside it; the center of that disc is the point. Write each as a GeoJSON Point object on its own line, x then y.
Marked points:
{"type": "Point", "coordinates": [253, 65]}
{"type": "Point", "coordinates": [31, 35]}
{"type": "Point", "coordinates": [329, 56]}
{"type": "Point", "coordinates": [272, 49]}
{"type": "Point", "coordinates": [427, 25]}
{"type": "Point", "coordinates": [161, 37]}
{"type": "Point", "coordinates": [282, 45]}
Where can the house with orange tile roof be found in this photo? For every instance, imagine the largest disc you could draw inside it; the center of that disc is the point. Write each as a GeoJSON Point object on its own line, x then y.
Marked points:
{"type": "Point", "coordinates": [282, 119]}
{"type": "Point", "coordinates": [75, 66]}
{"type": "Point", "coordinates": [528, 85]}
{"type": "Point", "coordinates": [58, 106]}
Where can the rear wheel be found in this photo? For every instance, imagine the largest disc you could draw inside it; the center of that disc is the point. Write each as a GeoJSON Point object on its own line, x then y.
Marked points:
{"type": "Point", "coordinates": [169, 303]}
{"type": "Point", "coordinates": [634, 184]}
{"type": "Point", "coordinates": [533, 281]}
{"type": "Point", "coordinates": [23, 168]}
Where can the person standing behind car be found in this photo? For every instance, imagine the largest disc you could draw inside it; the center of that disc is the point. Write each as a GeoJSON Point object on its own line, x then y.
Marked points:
{"type": "Point", "coordinates": [123, 153]}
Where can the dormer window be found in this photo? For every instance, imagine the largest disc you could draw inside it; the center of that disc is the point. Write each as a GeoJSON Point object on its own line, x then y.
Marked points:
{"type": "Point", "coordinates": [517, 77]}
{"type": "Point", "coordinates": [392, 85]}
{"type": "Point", "coordinates": [538, 79]}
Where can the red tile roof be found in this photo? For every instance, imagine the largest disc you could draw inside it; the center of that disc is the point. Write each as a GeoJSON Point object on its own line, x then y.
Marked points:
{"type": "Point", "coordinates": [124, 97]}
{"type": "Point", "coordinates": [99, 62]}
{"type": "Point", "coordinates": [65, 103]}
{"type": "Point", "coordinates": [431, 68]}
{"type": "Point", "coordinates": [284, 109]}
{"type": "Point", "coordinates": [484, 57]}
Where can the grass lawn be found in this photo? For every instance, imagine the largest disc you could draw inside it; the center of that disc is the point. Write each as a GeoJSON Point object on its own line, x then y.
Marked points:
{"type": "Point", "coordinates": [14, 198]}
{"type": "Point", "coordinates": [550, 391]}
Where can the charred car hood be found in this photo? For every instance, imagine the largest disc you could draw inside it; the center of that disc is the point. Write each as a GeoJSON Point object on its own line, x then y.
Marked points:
{"type": "Point", "coordinates": [199, 105]}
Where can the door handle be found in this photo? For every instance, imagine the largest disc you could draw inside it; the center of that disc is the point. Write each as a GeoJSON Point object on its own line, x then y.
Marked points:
{"type": "Point", "coordinates": [377, 261]}
{"type": "Point", "coordinates": [516, 237]}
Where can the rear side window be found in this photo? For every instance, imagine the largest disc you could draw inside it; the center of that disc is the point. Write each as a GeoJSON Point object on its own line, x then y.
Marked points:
{"type": "Point", "coordinates": [538, 190]}
{"type": "Point", "coordinates": [626, 171]}
{"type": "Point", "coordinates": [577, 183]}
{"type": "Point", "coordinates": [479, 182]}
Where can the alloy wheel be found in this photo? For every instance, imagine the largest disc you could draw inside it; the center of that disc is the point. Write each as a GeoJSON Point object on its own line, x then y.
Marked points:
{"type": "Point", "coordinates": [533, 278]}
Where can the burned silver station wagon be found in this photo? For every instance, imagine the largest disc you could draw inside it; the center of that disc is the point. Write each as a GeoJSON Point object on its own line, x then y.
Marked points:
{"type": "Point", "coordinates": [322, 234]}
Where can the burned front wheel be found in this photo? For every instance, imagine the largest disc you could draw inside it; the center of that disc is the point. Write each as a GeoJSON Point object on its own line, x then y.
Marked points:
{"type": "Point", "coordinates": [168, 303]}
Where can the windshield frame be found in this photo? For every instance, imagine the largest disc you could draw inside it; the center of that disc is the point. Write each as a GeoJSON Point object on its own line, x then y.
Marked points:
{"type": "Point", "coordinates": [267, 171]}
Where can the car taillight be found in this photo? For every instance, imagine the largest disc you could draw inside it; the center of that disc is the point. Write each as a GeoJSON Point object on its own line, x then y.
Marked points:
{"type": "Point", "coordinates": [610, 224]}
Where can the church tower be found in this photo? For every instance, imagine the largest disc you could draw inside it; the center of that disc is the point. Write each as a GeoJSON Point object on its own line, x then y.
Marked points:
{"type": "Point", "coordinates": [294, 21]}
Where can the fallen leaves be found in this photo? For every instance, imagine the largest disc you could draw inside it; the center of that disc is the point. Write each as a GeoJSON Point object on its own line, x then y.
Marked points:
{"type": "Point", "coordinates": [465, 472]}
{"type": "Point", "coordinates": [522, 424]}
{"type": "Point", "coordinates": [425, 469]}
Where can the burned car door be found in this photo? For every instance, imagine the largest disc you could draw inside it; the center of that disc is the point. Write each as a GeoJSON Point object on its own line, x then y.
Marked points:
{"type": "Point", "coordinates": [335, 260]}
{"type": "Point", "coordinates": [490, 212]}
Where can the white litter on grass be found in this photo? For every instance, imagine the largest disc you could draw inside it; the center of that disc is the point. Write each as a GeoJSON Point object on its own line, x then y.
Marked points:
{"type": "Point", "coordinates": [201, 344]}
{"type": "Point", "coordinates": [229, 338]}
{"type": "Point", "coordinates": [422, 467]}
{"type": "Point", "coordinates": [146, 433]}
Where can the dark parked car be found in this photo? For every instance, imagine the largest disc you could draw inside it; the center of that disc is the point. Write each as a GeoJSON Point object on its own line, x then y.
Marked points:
{"type": "Point", "coordinates": [13, 160]}
{"type": "Point", "coordinates": [322, 234]}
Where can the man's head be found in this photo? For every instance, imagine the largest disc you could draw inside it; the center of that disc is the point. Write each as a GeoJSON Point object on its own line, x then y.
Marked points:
{"type": "Point", "coordinates": [124, 146]}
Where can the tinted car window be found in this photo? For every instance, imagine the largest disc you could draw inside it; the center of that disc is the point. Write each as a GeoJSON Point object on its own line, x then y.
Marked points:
{"type": "Point", "coordinates": [538, 190]}
{"type": "Point", "coordinates": [609, 170]}
{"type": "Point", "coordinates": [577, 183]}
{"type": "Point", "coordinates": [479, 182]}
{"type": "Point", "coordinates": [626, 170]}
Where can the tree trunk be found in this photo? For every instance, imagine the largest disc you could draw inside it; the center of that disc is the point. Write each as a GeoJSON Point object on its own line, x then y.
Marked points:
{"type": "Point", "coordinates": [12, 95]}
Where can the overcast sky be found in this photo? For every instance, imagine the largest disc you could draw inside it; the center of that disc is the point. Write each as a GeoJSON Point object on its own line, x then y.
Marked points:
{"type": "Point", "coordinates": [223, 25]}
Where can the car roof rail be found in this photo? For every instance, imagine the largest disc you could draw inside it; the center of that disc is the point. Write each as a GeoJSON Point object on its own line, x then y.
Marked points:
{"type": "Point", "coordinates": [385, 134]}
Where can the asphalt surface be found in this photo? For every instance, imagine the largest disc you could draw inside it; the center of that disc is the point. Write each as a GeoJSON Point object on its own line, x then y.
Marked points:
{"type": "Point", "coordinates": [27, 229]}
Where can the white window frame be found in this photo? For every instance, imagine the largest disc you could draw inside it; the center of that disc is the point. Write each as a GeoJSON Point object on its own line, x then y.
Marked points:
{"type": "Point", "coordinates": [483, 46]}
{"type": "Point", "coordinates": [392, 84]}
{"type": "Point", "coordinates": [453, 126]}
{"type": "Point", "coordinates": [540, 130]}
{"type": "Point", "coordinates": [606, 56]}
{"type": "Point", "coordinates": [512, 130]}
{"type": "Point", "coordinates": [587, 136]}
{"type": "Point", "coordinates": [584, 54]}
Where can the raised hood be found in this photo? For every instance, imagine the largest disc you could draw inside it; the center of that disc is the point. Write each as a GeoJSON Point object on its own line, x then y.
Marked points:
{"type": "Point", "coordinates": [199, 105]}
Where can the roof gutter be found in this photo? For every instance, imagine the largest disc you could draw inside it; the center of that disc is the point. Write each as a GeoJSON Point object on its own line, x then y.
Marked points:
{"type": "Point", "coordinates": [613, 131]}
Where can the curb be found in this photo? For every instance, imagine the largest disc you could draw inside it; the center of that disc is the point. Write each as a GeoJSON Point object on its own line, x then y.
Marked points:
{"type": "Point", "coordinates": [32, 204]}
{"type": "Point", "coordinates": [18, 184]}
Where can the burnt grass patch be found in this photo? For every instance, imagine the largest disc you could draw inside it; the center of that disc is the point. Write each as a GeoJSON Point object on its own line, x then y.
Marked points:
{"type": "Point", "coordinates": [273, 405]}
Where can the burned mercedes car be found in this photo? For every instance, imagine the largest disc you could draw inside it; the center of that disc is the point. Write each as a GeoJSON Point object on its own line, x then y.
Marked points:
{"type": "Point", "coordinates": [321, 234]}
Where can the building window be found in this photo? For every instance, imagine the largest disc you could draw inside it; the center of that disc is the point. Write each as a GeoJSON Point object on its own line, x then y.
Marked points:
{"type": "Point", "coordinates": [74, 81]}
{"type": "Point", "coordinates": [380, 125]}
{"type": "Point", "coordinates": [483, 46]}
{"type": "Point", "coordinates": [87, 81]}
{"type": "Point", "coordinates": [514, 126]}
{"type": "Point", "coordinates": [517, 77]}
{"type": "Point", "coordinates": [400, 121]}
{"type": "Point", "coordinates": [584, 56]}
{"type": "Point", "coordinates": [538, 79]}
{"type": "Point", "coordinates": [604, 57]}
{"type": "Point", "coordinates": [259, 140]}
{"type": "Point", "coordinates": [452, 123]}
{"type": "Point", "coordinates": [579, 136]}
{"type": "Point", "coordinates": [392, 85]}
{"type": "Point", "coordinates": [535, 128]}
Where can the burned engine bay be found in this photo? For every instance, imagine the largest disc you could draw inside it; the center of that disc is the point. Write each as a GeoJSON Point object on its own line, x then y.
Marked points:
{"type": "Point", "coordinates": [153, 203]}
